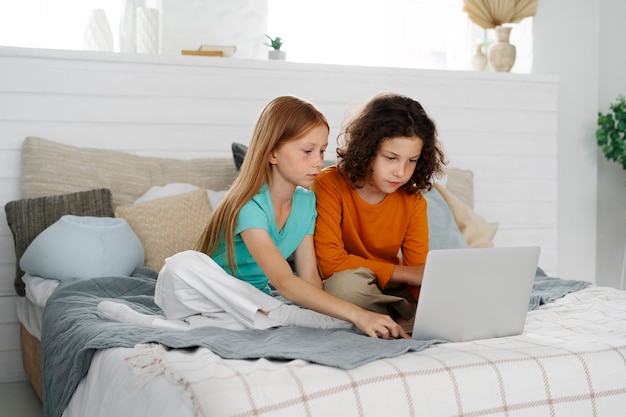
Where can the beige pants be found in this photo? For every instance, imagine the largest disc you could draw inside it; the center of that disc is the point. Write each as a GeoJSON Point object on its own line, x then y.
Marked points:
{"type": "Point", "coordinates": [359, 287]}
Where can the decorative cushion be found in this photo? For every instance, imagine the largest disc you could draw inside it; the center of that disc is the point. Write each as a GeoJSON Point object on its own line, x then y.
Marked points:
{"type": "Point", "coordinates": [460, 182]}
{"type": "Point", "coordinates": [477, 232]}
{"type": "Point", "coordinates": [166, 226]}
{"type": "Point", "coordinates": [239, 152]}
{"type": "Point", "coordinates": [53, 168]}
{"type": "Point", "coordinates": [443, 232]}
{"type": "Point", "coordinates": [27, 218]}
{"type": "Point", "coordinates": [83, 247]}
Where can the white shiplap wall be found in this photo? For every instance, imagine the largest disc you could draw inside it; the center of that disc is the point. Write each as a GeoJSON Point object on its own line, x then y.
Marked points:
{"type": "Point", "coordinates": [502, 126]}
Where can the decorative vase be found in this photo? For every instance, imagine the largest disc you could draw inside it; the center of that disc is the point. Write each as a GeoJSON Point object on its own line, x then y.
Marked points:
{"type": "Point", "coordinates": [147, 40]}
{"type": "Point", "coordinates": [98, 35]}
{"type": "Point", "coordinates": [277, 54]}
{"type": "Point", "coordinates": [128, 22]}
{"type": "Point", "coordinates": [501, 53]}
{"type": "Point", "coordinates": [478, 61]}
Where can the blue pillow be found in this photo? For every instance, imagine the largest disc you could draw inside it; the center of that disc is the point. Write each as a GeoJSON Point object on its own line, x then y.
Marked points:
{"type": "Point", "coordinates": [83, 247]}
{"type": "Point", "coordinates": [443, 233]}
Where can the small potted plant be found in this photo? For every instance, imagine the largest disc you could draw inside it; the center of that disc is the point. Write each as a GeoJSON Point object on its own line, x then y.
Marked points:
{"type": "Point", "coordinates": [275, 44]}
{"type": "Point", "coordinates": [611, 132]}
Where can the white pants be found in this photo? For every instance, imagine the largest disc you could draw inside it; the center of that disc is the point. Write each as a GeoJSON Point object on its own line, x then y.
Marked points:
{"type": "Point", "coordinates": [192, 286]}
{"type": "Point", "coordinates": [193, 291]}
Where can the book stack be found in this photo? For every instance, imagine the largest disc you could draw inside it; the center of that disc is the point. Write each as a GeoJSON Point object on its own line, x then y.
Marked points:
{"type": "Point", "coordinates": [212, 50]}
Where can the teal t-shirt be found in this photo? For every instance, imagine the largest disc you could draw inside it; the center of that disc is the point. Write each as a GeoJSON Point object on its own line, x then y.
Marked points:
{"type": "Point", "coordinates": [258, 213]}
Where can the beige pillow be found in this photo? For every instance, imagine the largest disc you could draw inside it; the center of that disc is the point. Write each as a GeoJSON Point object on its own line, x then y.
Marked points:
{"type": "Point", "coordinates": [54, 168]}
{"type": "Point", "coordinates": [461, 183]}
{"type": "Point", "coordinates": [169, 225]}
{"type": "Point", "coordinates": [477, 232]}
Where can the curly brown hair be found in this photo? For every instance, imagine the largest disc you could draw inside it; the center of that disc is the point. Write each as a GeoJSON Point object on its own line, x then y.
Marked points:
{"type": "Point", "coordinates": [387, 116]}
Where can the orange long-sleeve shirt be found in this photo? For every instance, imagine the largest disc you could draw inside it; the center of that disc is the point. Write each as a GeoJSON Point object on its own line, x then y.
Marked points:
{"type": "Point", "coordinates": [350, 233]}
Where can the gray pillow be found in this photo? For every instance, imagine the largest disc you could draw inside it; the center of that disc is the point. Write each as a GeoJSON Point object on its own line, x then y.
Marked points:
{"type": "Point", "coordinates": [27, 218]}
{"type": "Point", "coordinates": [239, 152]}
{"type": "Point", "coordinates": [443, 232]}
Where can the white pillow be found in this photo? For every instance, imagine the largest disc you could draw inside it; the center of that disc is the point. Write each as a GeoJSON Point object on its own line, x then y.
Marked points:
{"type": "Point", "coordinates": [39, 289]}
{"type": "Point", "coordinates": [169, 190]}
{"type": "Point", "coordinates": [216, 197]}
{"type": "Point", "coordinates": [161, 191]}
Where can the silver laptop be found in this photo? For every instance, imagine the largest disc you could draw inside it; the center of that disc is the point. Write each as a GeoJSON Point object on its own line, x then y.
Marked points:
{"type": "Point", "coordinates": [475, 293]}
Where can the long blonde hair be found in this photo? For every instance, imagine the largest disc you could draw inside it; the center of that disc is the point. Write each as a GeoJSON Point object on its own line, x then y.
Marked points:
{"type": "Point", "coordinates": [283, 120]}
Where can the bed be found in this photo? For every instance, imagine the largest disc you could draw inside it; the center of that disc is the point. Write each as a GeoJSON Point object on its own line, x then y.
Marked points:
{"type": "Point", "coordinates": [569, 361]}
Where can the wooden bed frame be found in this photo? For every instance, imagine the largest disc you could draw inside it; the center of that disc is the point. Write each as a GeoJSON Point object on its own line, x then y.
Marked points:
{"type": "Point", "coordinates": [31, 359]}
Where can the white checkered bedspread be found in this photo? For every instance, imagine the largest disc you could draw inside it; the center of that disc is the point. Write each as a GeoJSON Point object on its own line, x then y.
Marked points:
{"type": "Point", "coordinates": [570, 361]}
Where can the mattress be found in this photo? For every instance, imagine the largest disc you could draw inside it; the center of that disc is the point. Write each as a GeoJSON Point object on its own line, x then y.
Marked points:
{"type": "Point", "coordinates": [569, 362]}
{"type": "Point", "coordinates": [111, 389]}
{"type": "Point", "coordinates": [30, 308]}
{"type": "Point", "coordinates": [94, 397]}
{"type": "Point", "coordinates": [30, 316]}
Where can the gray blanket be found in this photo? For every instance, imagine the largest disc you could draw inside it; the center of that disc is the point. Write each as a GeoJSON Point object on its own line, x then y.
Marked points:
{"type": "Point", "coordinates": [73, 332]}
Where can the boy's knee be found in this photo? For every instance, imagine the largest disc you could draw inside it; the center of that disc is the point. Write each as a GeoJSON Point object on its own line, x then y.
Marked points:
{"type": "Point", "coordinates": [357, 286]}
{"type": "Point", "coordinates": [352, 280]}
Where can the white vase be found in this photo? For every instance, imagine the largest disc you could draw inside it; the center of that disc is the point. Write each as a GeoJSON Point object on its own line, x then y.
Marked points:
{"type": "Point", "coordinates": [478, 61]}
{"type": "Point", "coordinates": [502, 53]}
{"type": "Point", "coordinates": [147, 37]}
{"type": "Point", "coordinates": [128, 22]}
{"type": "Point", "coordinates": [277, 54]}
{"type": "Point", "coordinates": [98, 35]}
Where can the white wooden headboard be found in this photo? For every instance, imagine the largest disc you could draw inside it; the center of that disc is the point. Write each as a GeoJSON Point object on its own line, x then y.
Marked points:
{"type": "Point", "coordinates": [502, 126]}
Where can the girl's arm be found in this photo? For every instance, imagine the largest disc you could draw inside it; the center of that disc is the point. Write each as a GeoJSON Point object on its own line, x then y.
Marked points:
{"type": "Point", "coordinates": [306, 266]}
{"type": "Point", "coordinates": [302, 292]}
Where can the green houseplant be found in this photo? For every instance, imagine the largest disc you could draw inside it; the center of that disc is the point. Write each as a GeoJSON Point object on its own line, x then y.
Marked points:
{"type": "Point", "coordinates": [275, 43]}
{"type": "Point", "coordinates": [611, 132]}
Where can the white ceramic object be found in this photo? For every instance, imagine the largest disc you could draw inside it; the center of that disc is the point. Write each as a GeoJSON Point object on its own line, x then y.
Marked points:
{"type": "Point", "coordinates": [502, 53]}
{"type": "Point", "coordinates": [147, 37]}
{"type": "Point", "coordinates": [98, 35]}
{"type": "Point", "coordinates": [478, 61]}
{"type": "Point", "coordinates": [128, 26]}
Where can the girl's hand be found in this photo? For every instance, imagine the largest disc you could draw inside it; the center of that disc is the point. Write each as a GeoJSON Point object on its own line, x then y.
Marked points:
{"type": "Point", "coordinates": [379, 326]}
